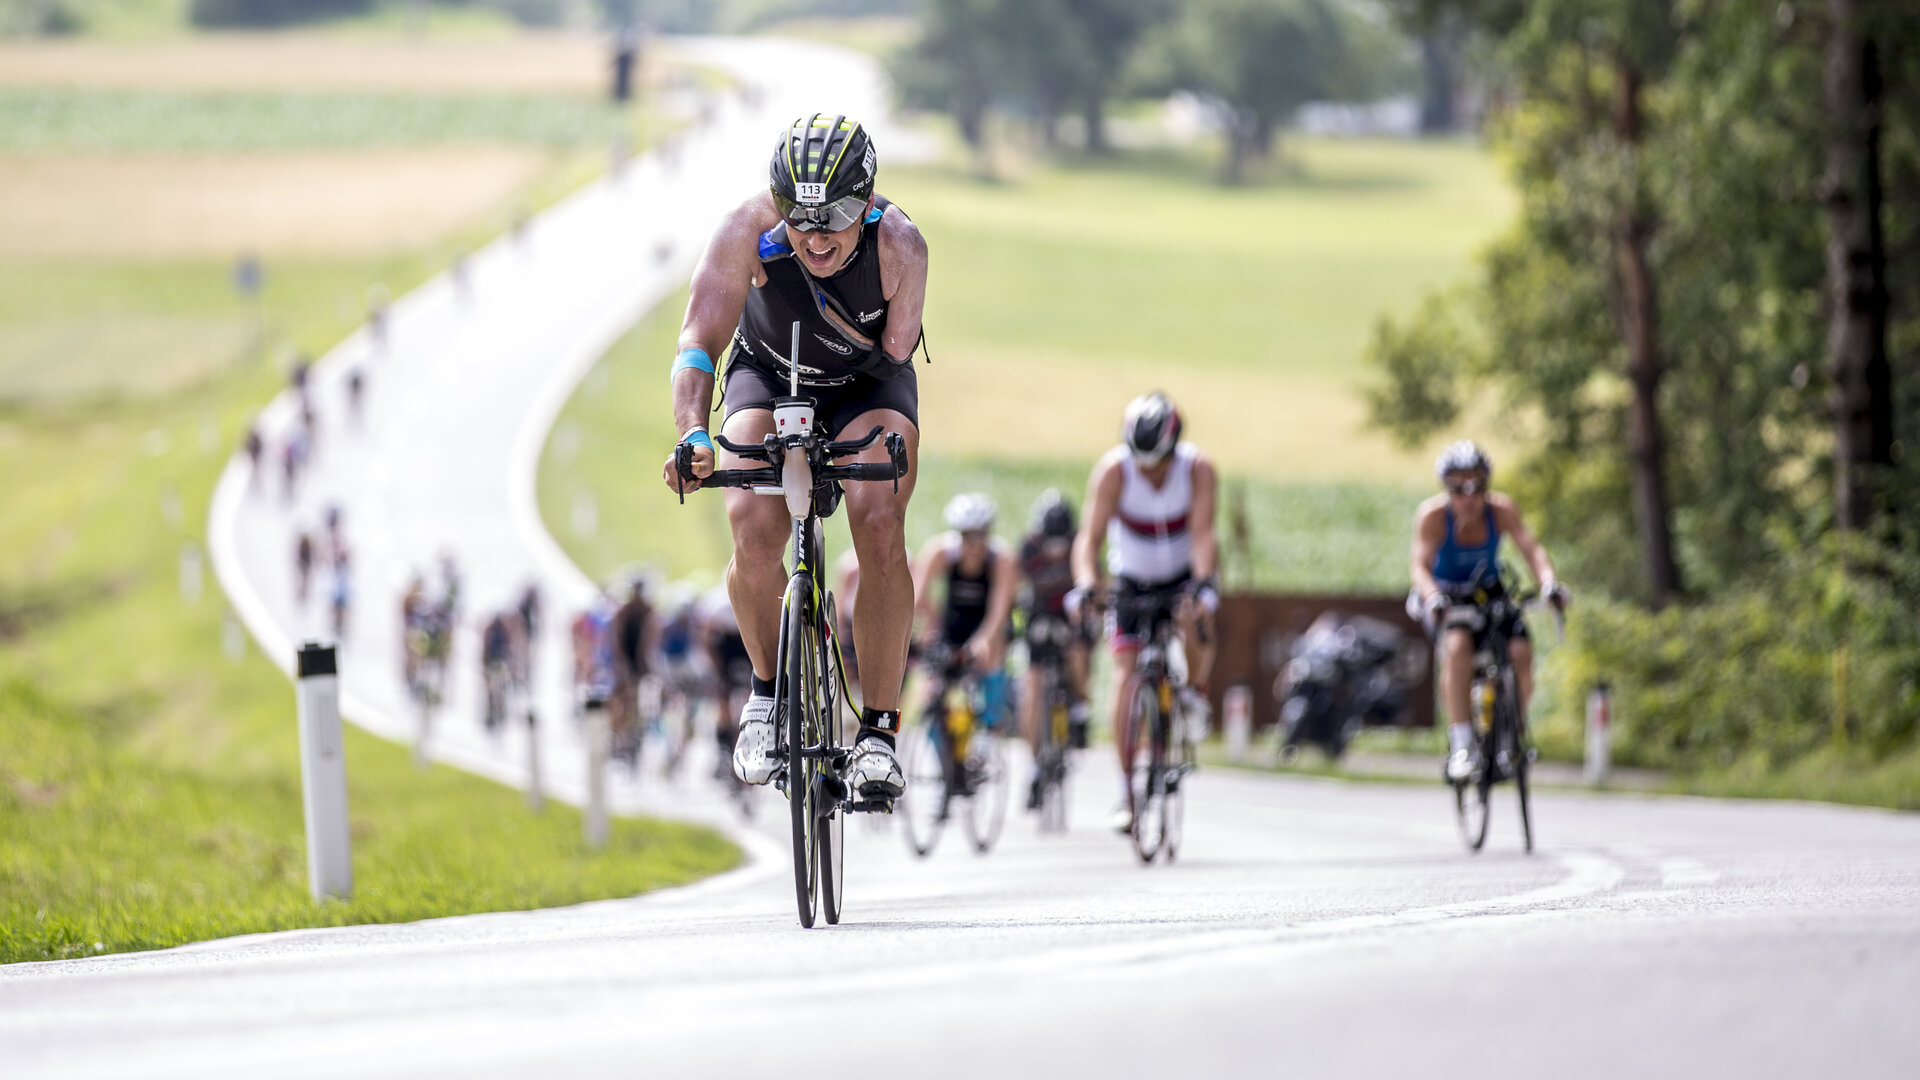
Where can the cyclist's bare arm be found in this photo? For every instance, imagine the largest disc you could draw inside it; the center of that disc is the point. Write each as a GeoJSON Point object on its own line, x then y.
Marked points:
{"type": "Point", "coordinates": [1507, 514]}
{"type": "Point", "coordinates": [1103, 499]}
{"type": "Point", "coordinates": [1006, 578]}
{"type": "Point", "coordinates": [729, 267]}
{"type": "Point", "coordinates": [903, 281]}
{"type": "Point", "coordinates": [928, 565]}
{"type": "Point", "coordinates": [1429, 532]}
{"type": "Point", "coordinates": [1206, 498]}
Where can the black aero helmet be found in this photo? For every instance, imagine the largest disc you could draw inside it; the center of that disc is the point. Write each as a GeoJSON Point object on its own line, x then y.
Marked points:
{"type": "Point", "coordinates": [1150, 428]}
{"type": "Point", "coordinates": [1052, 515]}
{"type": "Point", "coordinates": [822, 173]}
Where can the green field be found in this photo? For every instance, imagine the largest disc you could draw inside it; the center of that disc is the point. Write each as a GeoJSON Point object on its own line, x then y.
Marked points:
{"type": "Point", "coordinates": [149, 783]}
{"type": "Point", "coordinates": [1056, 297]}
{"type": "Point", "coordinates": [43, 120]}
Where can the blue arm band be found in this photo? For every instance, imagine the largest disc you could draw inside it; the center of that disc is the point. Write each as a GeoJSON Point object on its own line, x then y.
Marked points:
{"type": "Point", "coordinates": [697, 359]}
{"type": "Point", "coordinates": [697, 437]}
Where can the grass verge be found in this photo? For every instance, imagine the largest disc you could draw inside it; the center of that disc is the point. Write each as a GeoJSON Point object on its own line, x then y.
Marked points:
{"type": "Point", "coordinates": [149, 780]}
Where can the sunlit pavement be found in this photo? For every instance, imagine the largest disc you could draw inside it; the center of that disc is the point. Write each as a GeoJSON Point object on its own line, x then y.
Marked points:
{"type": "Point", "coordinates": [1310, 927]}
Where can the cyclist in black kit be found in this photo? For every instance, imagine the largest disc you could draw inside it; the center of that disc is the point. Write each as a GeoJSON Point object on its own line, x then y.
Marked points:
{"type": "Point", "coordinates": [1046, 570]}
{"type": "Point", "coordinates": [977, 574]}
{"type": "Point", "coordinates": [821, 247]}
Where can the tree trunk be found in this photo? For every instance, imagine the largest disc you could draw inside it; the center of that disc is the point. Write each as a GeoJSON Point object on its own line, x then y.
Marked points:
{"type": "Point", "coordinates": [1856, 269]}
{"type": "Point", "coordinates": [1095, 114]}
{"type": "Point", "coordinates": [1436, 99]}
{"type": "Point", "coordinates": [1640, 332]}
{"type": "Point", "coordinates": [1241, 126]}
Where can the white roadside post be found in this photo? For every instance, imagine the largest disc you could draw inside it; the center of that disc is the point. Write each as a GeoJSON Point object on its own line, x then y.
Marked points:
{"type": "Point", "coordinates": [536, 796]}
{"type": "Point", "coordinates": [323, 773]}
{"type": "Point", "coordinates": [1236, 721]}
{"type": "Point", "coordinates": [1599, 734]}
{"type": "Point", "coordinates": [599, 741]}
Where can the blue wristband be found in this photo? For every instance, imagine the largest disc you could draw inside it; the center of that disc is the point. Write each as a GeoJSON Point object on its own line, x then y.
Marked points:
{"type": "Point", "coordinates": [697, 437]}
{"type": "Point", "coordinates": [697, 359]}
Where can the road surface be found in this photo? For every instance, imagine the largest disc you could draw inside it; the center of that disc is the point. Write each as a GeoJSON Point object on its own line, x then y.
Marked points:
{"type": "Point", "coordinates": [1311, 927]}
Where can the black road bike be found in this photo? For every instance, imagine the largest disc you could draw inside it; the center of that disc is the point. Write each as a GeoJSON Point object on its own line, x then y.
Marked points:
{"type": "Point", "coordinates": [954, 754]}
{"type": "Point", "coordinates": [1505, 748]}
{"type": "Point", "coordinates": [1158, 745]}
{"type": "Point", "coordinates": [1048, 638]}
{"type": "Point", "coordinates": [809, 688]}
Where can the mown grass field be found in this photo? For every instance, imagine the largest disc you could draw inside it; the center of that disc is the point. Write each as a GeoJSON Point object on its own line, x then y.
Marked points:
{"type": "Point", "coordinates": [1058, 295]}
{"type": "Point", "coordinates": [149, 784]}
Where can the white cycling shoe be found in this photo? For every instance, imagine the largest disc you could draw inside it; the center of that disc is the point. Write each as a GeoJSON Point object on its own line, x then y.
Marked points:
{"type": "Point", "coordinates": [753, 760]}
{"type": "Point", "coordinates": [1460, 765]}
{"type": "Point", "coordinates": [874, 772]}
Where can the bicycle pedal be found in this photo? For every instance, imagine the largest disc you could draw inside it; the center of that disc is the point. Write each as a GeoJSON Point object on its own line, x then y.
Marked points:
{"type": "Point", "coordinates": [870, 806]}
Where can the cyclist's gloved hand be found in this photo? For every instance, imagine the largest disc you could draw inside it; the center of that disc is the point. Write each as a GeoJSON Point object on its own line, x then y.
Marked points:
{"type": "Point", "coordinates": [701, 464]}
{"type": "Point", "coordinates": [1076, 601]}
{"type": "Point", "coordinates": [1431, 607]}
{"type": "Point", "coordinates": [1207, 595]}
{"type": "Point", "coordinates": [1557, 594]}
{"type": "Point", "coordinates": [877, 363]}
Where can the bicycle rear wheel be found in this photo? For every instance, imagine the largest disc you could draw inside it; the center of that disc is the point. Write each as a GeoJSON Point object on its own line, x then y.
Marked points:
{"type": "Point", "coordinates": [800, 701]}
{"type": "Point", "coordinates": [990, 772]}
{"type": "Point", "coordinates": [924, 802]}
{"type": "Point", "coordinates": [1146, 769]}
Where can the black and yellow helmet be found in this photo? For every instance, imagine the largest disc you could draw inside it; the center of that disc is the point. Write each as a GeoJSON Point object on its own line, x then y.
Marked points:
{"type": "Point", "coordinates": [822, 173]}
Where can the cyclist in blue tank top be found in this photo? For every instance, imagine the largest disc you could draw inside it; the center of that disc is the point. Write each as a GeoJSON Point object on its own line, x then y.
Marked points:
{"type": "Point", "coordinates": [1456, 554]}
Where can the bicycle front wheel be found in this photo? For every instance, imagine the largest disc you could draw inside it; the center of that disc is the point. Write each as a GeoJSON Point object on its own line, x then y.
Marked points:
{"type": "Point", "coordinates": [1470, 810]}
{"type": "Point", "coordinates": [924, 802]}
{"type": "Point", "coordinates": [989, 770]}
{"type": "Point", "coordinates": [833, 818]}
{"type": "Point", "coordinates": [1051, 763]}
{"type": "Point", "coordinates": [1146, 769]}
{"type": "Point", "coordinates": [1173, 804]}
{"type": "Point", "coordinates": [1518, 755]}
{"type": "Point", "coordinates": [801, 700]}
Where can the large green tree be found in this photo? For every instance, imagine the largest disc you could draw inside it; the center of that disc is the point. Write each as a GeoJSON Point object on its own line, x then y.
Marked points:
{"type": "Point", "coordinates": [1671, 263]}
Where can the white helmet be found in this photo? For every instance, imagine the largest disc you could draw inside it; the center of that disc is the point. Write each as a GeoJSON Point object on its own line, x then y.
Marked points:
{"type": "Point", "coordinates": [970, 512]}
{"type": "Point", "coordinates": [1463, 456]}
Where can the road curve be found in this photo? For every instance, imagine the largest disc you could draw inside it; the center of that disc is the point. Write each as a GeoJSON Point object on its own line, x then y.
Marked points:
{"type": "Point", "coordinates": [1311, 927]}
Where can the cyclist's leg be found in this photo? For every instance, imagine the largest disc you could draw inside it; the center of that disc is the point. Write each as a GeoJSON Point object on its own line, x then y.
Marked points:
{"type": "Point", "coordinates": [1520, 652]}
{"type": "Point", "coordinates": [1195, 626]}
{"type": "Point", "coordinates": [876, 518]}
{"type": "Point", "coordinates": [1456, 674]}
{"type": "Point", "coordinates": [1125, 653]}
{"type": "Point", "coordinates": [756, 575]}
{"type": "Point", "coordinates": [1031, 705]}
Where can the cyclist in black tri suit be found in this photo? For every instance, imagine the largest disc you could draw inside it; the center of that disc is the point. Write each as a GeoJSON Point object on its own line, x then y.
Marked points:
{"type": "Point", "coordinates": [977, 574]}
{"type": "Point", "coordinates": [1046, 571]}
{"type": "Point", "coordinates": [821, 247]}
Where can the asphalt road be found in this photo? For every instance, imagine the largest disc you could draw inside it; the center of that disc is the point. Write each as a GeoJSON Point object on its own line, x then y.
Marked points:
{"type": "Point", "coordinates": [1311, 927]}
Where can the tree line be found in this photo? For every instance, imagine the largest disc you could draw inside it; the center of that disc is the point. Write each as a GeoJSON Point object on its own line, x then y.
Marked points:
{"type": "Point", "coordinates": [1040, 61]}
{"type": "Point", "coordinates": [1706, 324]}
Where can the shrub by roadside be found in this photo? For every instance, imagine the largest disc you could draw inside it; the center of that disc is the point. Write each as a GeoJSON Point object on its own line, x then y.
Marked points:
{"type": "Point", "coordinates": [1741, 691]}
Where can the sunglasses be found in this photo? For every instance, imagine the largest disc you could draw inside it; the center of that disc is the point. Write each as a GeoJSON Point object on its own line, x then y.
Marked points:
{"type": "Point", "coordinates": [830, 217]}
{"type": "Point", "coordinates": [1466, 487]}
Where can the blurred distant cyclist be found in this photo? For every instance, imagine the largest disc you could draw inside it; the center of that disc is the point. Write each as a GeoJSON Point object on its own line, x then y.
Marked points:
{"type": "Point", "coordinates": [1151, 502]}
{"type": "Point", "coordinates": [975, 575]}
{"type": "Point", "coordinates": [1046, 570]}
{"type": "Point", "coordinates": [822, 248]}
{"type": "Point", "coordinates": [1456, 553]}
